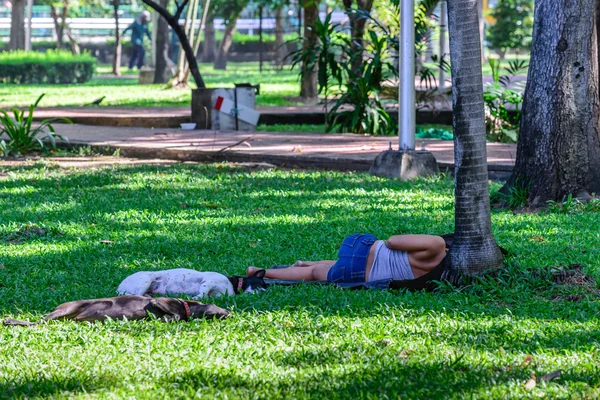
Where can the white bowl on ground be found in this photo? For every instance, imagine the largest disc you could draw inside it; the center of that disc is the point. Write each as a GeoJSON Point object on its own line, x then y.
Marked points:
{"type": "Point", "coordinates": [188, 126]}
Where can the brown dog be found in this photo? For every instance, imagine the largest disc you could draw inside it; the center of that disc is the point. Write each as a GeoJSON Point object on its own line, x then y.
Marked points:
{"type": "Point", "coordinates": [131, 308]}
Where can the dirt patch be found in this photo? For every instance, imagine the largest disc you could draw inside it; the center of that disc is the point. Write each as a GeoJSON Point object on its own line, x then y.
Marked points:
{"type": "Point", "coordinates": [572, 284]}
{"type": "Point", "coordinates": [24, 234]}
{"type": "Point", "coordinates": [572, 275]}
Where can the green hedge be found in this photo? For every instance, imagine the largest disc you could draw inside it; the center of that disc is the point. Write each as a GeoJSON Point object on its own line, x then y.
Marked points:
{"type": "Point", "coordinates": [51, 67]}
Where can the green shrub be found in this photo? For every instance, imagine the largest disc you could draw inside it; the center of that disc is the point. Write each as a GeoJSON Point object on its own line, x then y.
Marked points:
{"type": "Point", "coordinates": [23, 136]}
{"type": "Point", "coordinates": [51, 67]}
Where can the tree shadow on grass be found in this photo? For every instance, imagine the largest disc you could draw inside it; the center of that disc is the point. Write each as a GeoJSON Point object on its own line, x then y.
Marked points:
{"type": "Point", "coordinates": [43, 386]}
{"type": "Point", "coordinates": [404, 379]}
{"type": "Point", "coordinates": [324, 374]}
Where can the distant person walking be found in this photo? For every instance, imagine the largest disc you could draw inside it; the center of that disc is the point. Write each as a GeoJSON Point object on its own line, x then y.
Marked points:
{"type": "Point", "coordinates": [138, 28]}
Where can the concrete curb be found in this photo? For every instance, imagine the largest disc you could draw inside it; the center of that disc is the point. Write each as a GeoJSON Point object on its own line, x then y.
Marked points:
{"type": "Point", "coordinates": [267, 118]}
{"type": "Point", "coordinates": [495, 172]}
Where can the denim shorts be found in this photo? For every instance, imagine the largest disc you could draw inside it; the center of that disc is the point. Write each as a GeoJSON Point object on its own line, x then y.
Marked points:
{"type": "Point", "coordinates": [352, 259]}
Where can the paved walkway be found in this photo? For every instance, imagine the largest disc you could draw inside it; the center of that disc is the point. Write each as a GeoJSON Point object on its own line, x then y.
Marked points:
{"type": "Point", "coordinates": [170, 117]}
{"type": "Point", "coordinates": [335, 151]}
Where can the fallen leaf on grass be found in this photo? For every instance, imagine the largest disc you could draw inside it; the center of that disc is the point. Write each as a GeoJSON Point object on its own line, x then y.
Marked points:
{"type": "Point", "coordinates": [537, 239]}
{"type": "Point", "coordinates": [107, 242]}
{"type": "Point", "coordinates": [213, 205]}
{"type": "Point", "coordinates": [530, 384]}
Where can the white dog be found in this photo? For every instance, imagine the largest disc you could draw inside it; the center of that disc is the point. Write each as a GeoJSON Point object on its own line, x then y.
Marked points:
{"type": "Point", "coordinates": [194, 283]}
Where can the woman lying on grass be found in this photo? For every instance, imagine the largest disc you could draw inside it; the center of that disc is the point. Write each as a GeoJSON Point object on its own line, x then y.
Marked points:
{"type": "Point", "coordinates": [363, 258]}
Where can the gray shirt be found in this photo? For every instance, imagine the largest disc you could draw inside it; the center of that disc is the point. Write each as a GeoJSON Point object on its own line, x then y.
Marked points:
{"type": "Point", "coordinates": [390, 264]}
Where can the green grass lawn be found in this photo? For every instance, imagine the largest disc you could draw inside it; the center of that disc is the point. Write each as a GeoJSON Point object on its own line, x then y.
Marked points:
{"type": "Point", "coordinates": [484, 341]}
{"type": "Point", "coordinates": [278, 87]}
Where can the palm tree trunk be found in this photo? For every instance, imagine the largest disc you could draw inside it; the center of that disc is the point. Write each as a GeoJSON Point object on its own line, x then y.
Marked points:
{"type": "Point", "coordinates": [474, 250]}
{"type": "Point", "coordinates": [17, 26]}
{"type": "Point", "coordinates": [116, 67]}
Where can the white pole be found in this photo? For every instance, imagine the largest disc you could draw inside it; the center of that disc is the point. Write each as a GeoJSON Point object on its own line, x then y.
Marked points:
{"type": "Point", "coordinates": [28, 28]}
{"type": "Point", "coordinates": [443, 29]}
{"type": "Point", "coordinates": [406, 109]}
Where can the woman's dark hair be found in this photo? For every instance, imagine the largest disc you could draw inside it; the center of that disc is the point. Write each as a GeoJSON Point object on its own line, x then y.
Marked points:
{"type": "Point", "coordinates": [449, 239]}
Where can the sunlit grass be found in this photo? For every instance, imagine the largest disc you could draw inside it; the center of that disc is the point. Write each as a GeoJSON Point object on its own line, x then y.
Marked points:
{"type": "Point", "coordinates": [289, 342]}
{"type": "Point", "coordinates": [278, 87]}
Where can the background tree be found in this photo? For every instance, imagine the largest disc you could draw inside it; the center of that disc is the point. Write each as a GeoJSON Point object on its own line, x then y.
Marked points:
{"type": "Point", "coordinates": [181, 76]}
{"type": "Point", "coordinates": [173, 21]}
{"type": "Point", "coordinates": [59, 10]}
{"type": "Point", "coordinates": [162, 48]}
{"type": "Point", "coordinates": [209, 44]}
{"type": "Point", "coordinates": [558, 152]}
{"type": "Point", "coordinates": [358, 22]}
{"type": "Point", "coordinates": [513, 27]}
{"type": "Point", "coordinates": [230, 11]}
{"type": "Point", "coordinates": [280, 50]}
{"type": "Point", "coordinates": [474, 250]}
{"type": "Point", "coordinates": [308, 84]}
{"type": "Point", "coordinates": [116, 67]}
{"type": "Point", "coordinates": [17, 26]}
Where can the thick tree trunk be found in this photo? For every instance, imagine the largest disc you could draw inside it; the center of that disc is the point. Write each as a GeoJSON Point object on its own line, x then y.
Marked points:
{"type": "Point", "coordinates": [116, 67]}
{"type": "Point", "coordinates": [308, 85]}
{"type": "Point", "coordinates": [597, 14]}
{"type": "Point", "coordinates": [474, 250]}
{"type": "Point", "coordinates": [162, 48]}
{"type": "Point", "coordinates": [280, 51]}
{"type": "Point", "coordinates": [221, 59]}
{"type": "Point", "coordinates": [558, 152]}
{"type": "Point", "coordinates": [357, 31]}
{"type": "Point", "coordinates": [17, 26]}
{"type": "Point", "coordinates": [209, 46]}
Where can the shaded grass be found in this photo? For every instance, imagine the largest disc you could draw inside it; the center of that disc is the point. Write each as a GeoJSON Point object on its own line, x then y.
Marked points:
{"type": "Point", "coordinates": [306, 128]}
{"type": "Point", "coordinates": [303, 342]}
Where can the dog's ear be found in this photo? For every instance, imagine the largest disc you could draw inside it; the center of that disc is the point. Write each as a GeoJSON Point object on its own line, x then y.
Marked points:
{"type": "Point", "coordinates": [260, 274]}
{"type": "Point", "coordinates": [170, 307]}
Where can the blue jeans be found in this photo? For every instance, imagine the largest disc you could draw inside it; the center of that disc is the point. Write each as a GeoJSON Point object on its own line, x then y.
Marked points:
{"type": "Point", "coordinates": [352, 259]}
{"type": "Point", "coordinates": [137, 54]}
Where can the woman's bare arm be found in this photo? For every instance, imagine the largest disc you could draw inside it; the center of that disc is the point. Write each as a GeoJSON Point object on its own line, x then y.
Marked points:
{"type": "Point", "coordinates": [422, 247]}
